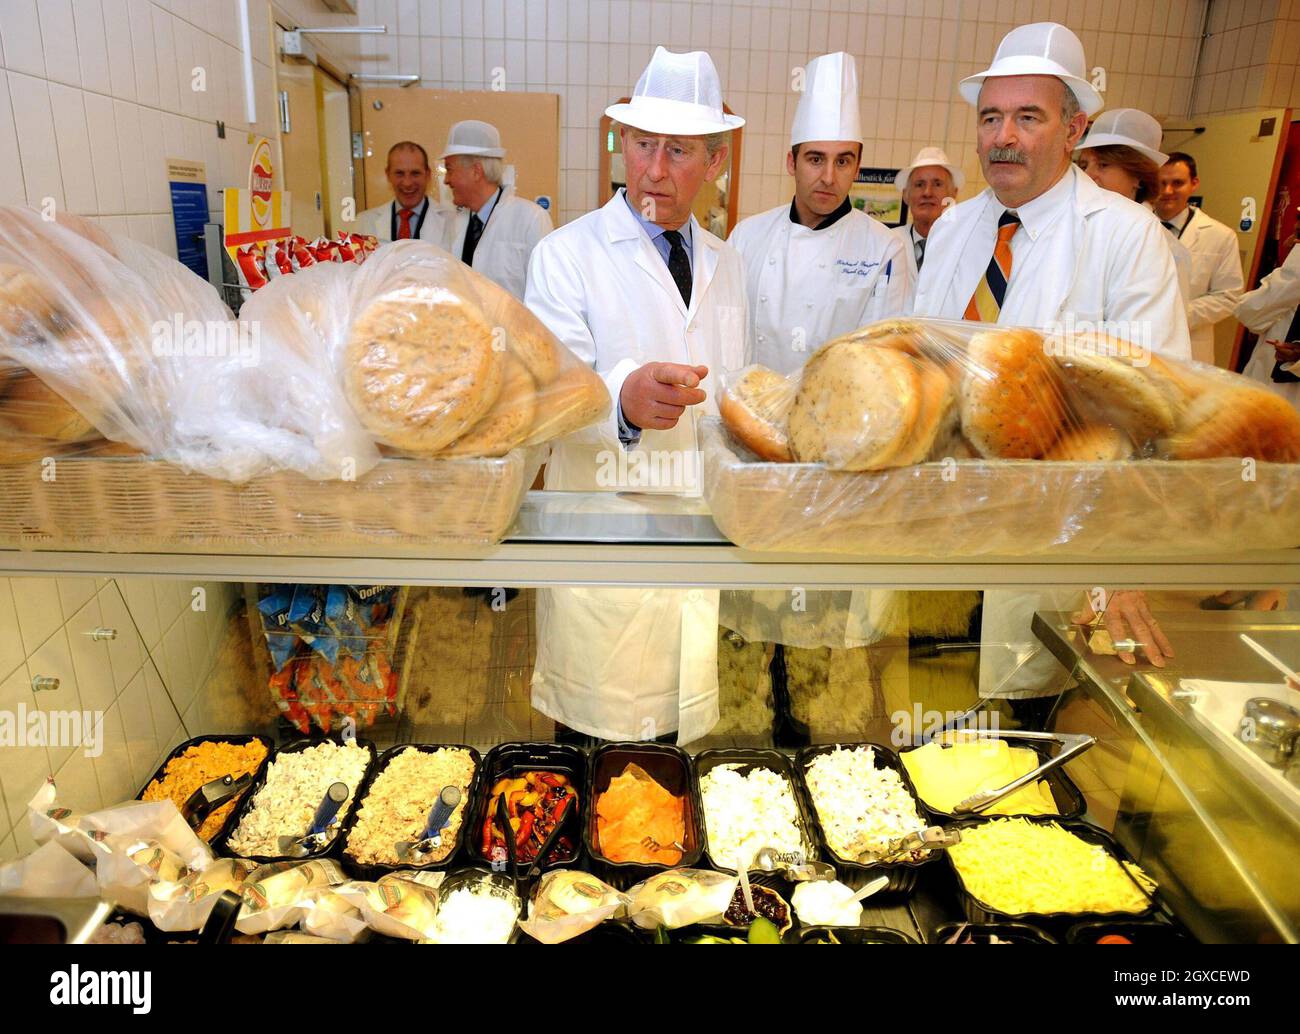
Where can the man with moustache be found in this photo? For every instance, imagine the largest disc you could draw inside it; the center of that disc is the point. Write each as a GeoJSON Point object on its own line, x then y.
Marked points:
{"type": "Point", "coordinates": [1044, 245]}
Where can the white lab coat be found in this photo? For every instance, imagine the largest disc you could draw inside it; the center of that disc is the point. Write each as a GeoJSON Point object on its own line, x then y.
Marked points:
{"type": "Point", "coordinates": [807, 286]}
{"type": "Point", "coordinates": [1105, 259]}
{"type": "Point", "coordinates": [632, 663]}
{"type": "Point", "coordinates": [514, 227]}
{"type": "Point", "coordinates": [1268, 311]}
{"type": "Point", "coordinates": [378, 222]}
{"type": "Point", "coordinates": [1216, 280]}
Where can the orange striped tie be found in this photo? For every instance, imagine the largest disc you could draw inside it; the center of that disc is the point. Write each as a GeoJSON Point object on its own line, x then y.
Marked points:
{"type": "Point", "coordinates": [986, 302]}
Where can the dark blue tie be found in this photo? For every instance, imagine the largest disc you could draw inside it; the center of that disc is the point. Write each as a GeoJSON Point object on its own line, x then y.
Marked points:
{"type": "Point", "coordinates": [472, 233]}
{"type": "Point", "coordinates": [679, 265]}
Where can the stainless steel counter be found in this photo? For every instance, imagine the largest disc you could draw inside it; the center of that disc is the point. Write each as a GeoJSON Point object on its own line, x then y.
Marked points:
{"type": "Point", "coordinates": [1221, 833]}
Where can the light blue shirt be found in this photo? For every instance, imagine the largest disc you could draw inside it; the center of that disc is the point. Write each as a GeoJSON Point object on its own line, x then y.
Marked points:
{"type": "Point", "coordinates": [627, 434]}
{"type": "Point", "coordinates": [485, 212]}
{"type": "Point", "coordinates": [656, 234]}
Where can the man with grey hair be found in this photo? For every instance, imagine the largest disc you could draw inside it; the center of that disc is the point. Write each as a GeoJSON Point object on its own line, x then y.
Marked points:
{"type": "Point", "coordinates": [1044, 246]}
{"type": "Point", "coordinates": [494, 230]}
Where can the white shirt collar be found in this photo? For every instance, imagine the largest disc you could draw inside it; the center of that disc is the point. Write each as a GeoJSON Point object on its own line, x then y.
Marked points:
{"type": "Point", "coordinates": [1181, 220]}
{"type": "Point", "coordinates": [1038, 215]}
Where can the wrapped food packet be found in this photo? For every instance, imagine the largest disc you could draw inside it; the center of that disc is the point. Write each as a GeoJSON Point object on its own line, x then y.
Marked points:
{"type": "Point", "coordinates": [430, 357]}
{"type": "Point", "coordinates": [680, 897]}
{"type": "Point", "coordinates": [133, 845]}
{"type": "Point", "coordinates": [567, 903]}
{"type": "Point", "coordinates": [400, 904]}
{"type": "Point", "coordinates": [278, 895]}
{"type": "Point", "coordinates": [50, 871]}
{"type": "Point", "coordinates": [184, 904]}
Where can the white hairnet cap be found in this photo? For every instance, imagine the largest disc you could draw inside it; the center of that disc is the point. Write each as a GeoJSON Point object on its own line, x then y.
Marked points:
{"type": "Point", "coordinates": [1127, 127]}
{"type": "Point", "coordinates": [930, 156]}
{"type": "Point", "coordinates": [474, 137]}
{"type": "Point", "coordinates": [1042, 48]}
{"type": "Point", "coordinates": [677, 94]}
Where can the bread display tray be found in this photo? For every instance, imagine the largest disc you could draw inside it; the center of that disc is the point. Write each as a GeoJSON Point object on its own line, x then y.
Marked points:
{"type": "Point", "coordinates": [969, 508]}
{"type": "Point", "coordinates": [142, 504]}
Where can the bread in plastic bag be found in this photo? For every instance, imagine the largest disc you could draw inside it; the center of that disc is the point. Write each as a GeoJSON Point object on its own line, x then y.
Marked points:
{"type": "Point", "coordinates": [1037, 443]}
{"type": "Point", "coordinates": [278, 895]}
{"type": "Point", "coordinates": [902, 392]}
{"type": "Point", "coordinates": [185, 904]}
{"type": "Point", "coordinates": [431, 358]}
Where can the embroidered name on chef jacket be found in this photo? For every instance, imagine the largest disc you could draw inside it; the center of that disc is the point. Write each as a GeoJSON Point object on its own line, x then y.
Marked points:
{"type": "Point", "coordinates": [855, 267]}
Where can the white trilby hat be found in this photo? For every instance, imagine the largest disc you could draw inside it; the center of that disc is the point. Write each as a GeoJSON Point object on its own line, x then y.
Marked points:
{"type": "Point", "coordinates": [677, 94]}
{"type": "Point", "coordinates": [1127, 127]}
{"type": "Point", "coordinates": [828, 106]}
{"type": "Point", "coordinates": [473, 137]}
{"type": "Point", "coordinates": [930, 156]}
{"type": "Point", "coordinates": [1042, 48]}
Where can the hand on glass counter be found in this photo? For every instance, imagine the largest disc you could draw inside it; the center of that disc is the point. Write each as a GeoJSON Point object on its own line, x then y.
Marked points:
{"type": "Point", "coordinates": [1128, 619]}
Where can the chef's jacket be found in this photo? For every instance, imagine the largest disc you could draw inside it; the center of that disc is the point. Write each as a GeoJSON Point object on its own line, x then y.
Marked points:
{"type": "Point", "coordinates": [1080, 250]}
{"type": "Point", "coordinates": [806, 286]}
{"type": "Point", "coordinates": [1270, 311]}
{"type": "Point", "coordinates": [512, 227]}
{"type": "Point", "coordinates": [633, 663]}
{"type": "Point", "coordinates": [381, 220]}
{"type": "Point", "coordinates": [1216, 280]}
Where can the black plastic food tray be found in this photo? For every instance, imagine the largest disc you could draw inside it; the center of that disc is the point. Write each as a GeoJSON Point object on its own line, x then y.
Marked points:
{"type": "Point", "coordinates": [1149, 932]}
{"type": "Point", "coordinates": [240, 738]}
{"type": "Point", "coordinates": [670, 767]}
{"type": "Point", "coordinates": [366, 871]}
{"type": "Point", "coordinates": [1016, 933]}
{"type": "Point", "coordinates": [1070, 802]}
{"type": "Point", "coordinates": [748, 758]}
{"type": "Point", "coordinates": [1055, 922]}
{"type": "Point", "coordinates": [540, 757]}
{"type": "Point", "coordinates": [850, 935]}
{"type": "Point", "coordinates": [902, 875]}
{"type": "Point", "coordinates": [220, 845]}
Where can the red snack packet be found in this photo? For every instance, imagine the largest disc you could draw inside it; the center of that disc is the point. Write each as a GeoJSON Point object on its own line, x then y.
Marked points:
{"type": "Point", "coordinates": [252, 266]}
{"type": "Point", "coordinates": [346, 252]}
{"type": "Point", "coordinates": [279, 261]}
{"type": "Point", "coordinates": [301, 253]}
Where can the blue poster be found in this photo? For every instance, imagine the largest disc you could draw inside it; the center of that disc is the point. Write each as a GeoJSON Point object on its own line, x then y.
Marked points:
{"type": "Point", "coordinates": [189, 212]}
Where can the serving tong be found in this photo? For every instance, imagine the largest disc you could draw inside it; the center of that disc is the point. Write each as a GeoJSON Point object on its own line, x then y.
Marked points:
{"type": "Point", "coordinates": [503, 821]}
{"type": "Point", "coordinates": [317, 835]}
{"type": "Point", "coordinates": [211, 796]}
{"type": "Point", "coordinates": [1072, 745]}
{"type": "Point", "coordinates": [796, 868]}
{"type": "Point", "coordinates": [932, 838]}
{"type": "Point", "coordinates": [417, 852]}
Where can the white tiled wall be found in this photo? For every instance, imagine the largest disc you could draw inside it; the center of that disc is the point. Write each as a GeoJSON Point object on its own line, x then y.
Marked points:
{"type": "Point", "coordinates": [144, 681]}
{"type": "Point", "coordinates": [96, 95]}
{"type": "Point", "coordinates": [911, 53]}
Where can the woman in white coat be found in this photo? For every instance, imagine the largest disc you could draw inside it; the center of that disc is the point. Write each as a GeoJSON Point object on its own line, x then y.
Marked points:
{"type": "Point", "coordinates": [656, 305]}
{"type": "Point", "coordinates": [1271, 311]}
{"type": "Point", "coordinates": [1122, 153]}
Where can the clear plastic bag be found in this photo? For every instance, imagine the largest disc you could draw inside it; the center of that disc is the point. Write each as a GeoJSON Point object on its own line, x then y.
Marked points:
{"type": "Point", "coordinates": [108, 347]}
{"type": "Point", "coordinates": [430, 357]}
{"type": "Point", "coordinates": [567, 903]}
{"type": "Point", "coordinates": [928, 437]}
